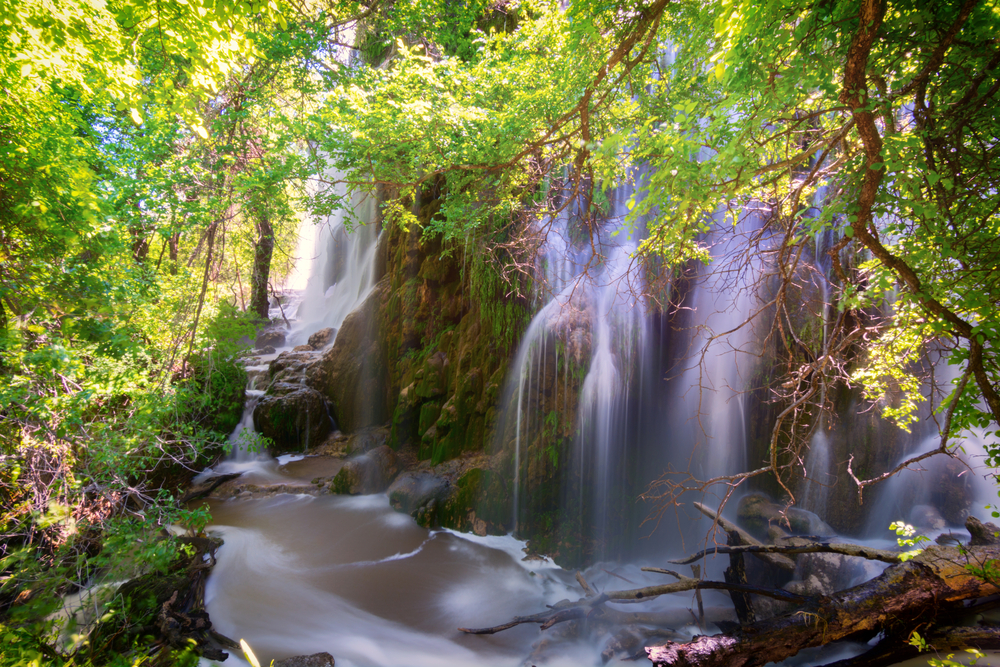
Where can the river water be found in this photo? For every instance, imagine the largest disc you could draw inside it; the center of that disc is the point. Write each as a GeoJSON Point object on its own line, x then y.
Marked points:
{"type": "Point", "coordinates": [301, 574]}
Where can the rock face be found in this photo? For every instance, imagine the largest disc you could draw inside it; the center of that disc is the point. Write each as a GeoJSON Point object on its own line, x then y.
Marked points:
{"type": "Point", "coordinates": [314, 660]}
{"type": "Point", "coordinates": [294, 416]}
{"type": "Point", "coordinates": [450, 326]}
{"type": "Point", "coordinates": [352, 373]}
{"type": "Point", "coordinates": [368, 473]}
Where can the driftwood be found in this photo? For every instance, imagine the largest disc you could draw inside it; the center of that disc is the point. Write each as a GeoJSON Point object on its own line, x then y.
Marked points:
{"type": "Point", "coordinates": [207, 487]}
{"type": "Point", "coordinates": [585, 607]}
{"type": "Point", "coordinates": [917, 594]}
{"type": "Point", "coordinates": [904, 596]}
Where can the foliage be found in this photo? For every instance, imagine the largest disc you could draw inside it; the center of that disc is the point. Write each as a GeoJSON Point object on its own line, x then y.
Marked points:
{"type": "Point", "coordinates": [860, 136]}
{"type": "Point", "coordinates": [907, 537]}
{"type": "Point", "coordinates": [142, 144]}
{"type": "Point", "coordinates": [138, 146]}
{"type": "Point", "coordinates": [921, 645]}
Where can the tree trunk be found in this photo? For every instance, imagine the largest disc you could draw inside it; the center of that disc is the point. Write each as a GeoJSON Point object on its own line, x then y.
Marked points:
{"type": "Point", "coordinates": [904, 596]}
{"type": "Point", "coordinates": [262, 253]}
{"type": "Point", "coordinates": [210, 235]}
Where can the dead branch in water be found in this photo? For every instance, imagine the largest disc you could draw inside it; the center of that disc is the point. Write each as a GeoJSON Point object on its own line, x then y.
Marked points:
{"type": "Point", "coordinates": [905, 595]}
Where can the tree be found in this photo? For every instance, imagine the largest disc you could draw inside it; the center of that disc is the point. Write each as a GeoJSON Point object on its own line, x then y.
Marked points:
{"type": "Point", "coordinates": [127, 131]}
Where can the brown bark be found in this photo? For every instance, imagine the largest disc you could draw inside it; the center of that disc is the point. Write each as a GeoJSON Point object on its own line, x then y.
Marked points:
{"type": "Point", "coordinates": [262, 253]}
{"type": "Point", "coordinates": [736, 573]}
{"type": "Point", "coordinates": [904, 596]}
{"type": "Point", "coordinates": [769, 556]}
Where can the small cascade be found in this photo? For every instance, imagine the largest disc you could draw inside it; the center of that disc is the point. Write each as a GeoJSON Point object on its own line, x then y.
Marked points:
{"type": "Point", "coordinates": [333, 275]}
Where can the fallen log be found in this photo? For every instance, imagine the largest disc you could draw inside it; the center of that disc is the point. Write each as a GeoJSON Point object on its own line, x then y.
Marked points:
{"type": "Point", "coordinates": [584, 607]}
{"type": "Point", "coordinates": [905, 595]}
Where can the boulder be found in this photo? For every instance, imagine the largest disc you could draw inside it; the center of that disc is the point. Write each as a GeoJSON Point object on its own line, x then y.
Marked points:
{"type": "Point", "coordinates": [352, 373]}
{"type": "Point", "coordinates": [302, 348]}
{"type": "Point", "coordinates": [367, 473]}
{"type": "Point", "coordinates": [417, 491]}
{"type": "Point", "coordinates": [314, 660]}
{"type": "Point", "coordinates": [270, 337]}
{"type": "Point", "coordinates": [982, 533]}
{"type": "Point", "coordinates": [322, 338]}
{"type": "Point", "coordinates": [293, 416]}
{"type": "Point", "coordinates": [759, 515]}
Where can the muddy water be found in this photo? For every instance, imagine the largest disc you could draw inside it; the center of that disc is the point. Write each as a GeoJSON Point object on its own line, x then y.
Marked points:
{"type": "Point", "coordinates": [300, 574]}
{"type": "Point", "coordinates": [348, 575]}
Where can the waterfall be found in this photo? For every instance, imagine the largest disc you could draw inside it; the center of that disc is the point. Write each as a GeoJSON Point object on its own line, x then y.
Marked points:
{"type": "Point", "coordinates": [565, 409]}
{"type": "Point", "coordinates": [335, 267]}
{"type": "Point", "coordinates": [938, 492]}
{"type": "Point", "coordinates": [334, 273]}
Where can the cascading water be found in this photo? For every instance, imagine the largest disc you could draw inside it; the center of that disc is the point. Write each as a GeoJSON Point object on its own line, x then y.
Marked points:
{"type": "Point", "coordinates": [299, 574]}
{"type": "Point", "coordinates": [596, 407]}
{"type": "Point", "coordinates": [938, 492]}
{"type": "Point", "coordinates": [338, 267]}
{"type": "Point", "coordinates": [568, 393]}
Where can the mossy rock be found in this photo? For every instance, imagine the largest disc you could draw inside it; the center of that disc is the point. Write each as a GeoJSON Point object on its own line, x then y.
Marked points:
{"type": "Point", "coordinates": [480, 503]}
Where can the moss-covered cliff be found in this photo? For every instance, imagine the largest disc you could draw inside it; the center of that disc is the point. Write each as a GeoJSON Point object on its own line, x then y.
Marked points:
{"type": "Point", "coordinates": [449, 326]}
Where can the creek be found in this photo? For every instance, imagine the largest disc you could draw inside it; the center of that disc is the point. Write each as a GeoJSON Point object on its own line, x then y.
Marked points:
{"type": "Point", "coordinates": [601, 398]}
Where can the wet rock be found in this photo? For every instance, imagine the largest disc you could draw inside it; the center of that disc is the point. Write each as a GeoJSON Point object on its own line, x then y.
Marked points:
{"type": "Point", "coordinates": [351, 373]}
{"type": "Point", "coordinates": [291, 366]}
{"type": "Point", "coordinates": [270, 338]}
{"type": "Point", "coordinates": [314, 660]}
{"type": "Point", "coordinates": [367, 473]}
{"type": "Point", "coordinates": [432, 378]}
{"type": "Point", "coordinates": [429, 413]}
{"type": "Point", "coordinates": [267, 349]}
{"type": "Point", "coordinates": [322, 338]}
{"type": "Point", "coordinates": [479, 502]}
{"type": "Point", "coordinates": [982, 533]}
{"type": "Point", "coordinates": [757, 514]}
{"type": "Point", "coordinates": [293, 416]}
{"type": "Point", "coordinates": [416, 491]}
{"type": "Point", "coordinates": [334, 445]}
{"type": "Point", "coordinates": [950, 489]}
{"type": "Point", "coordinates": [303, 348]}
